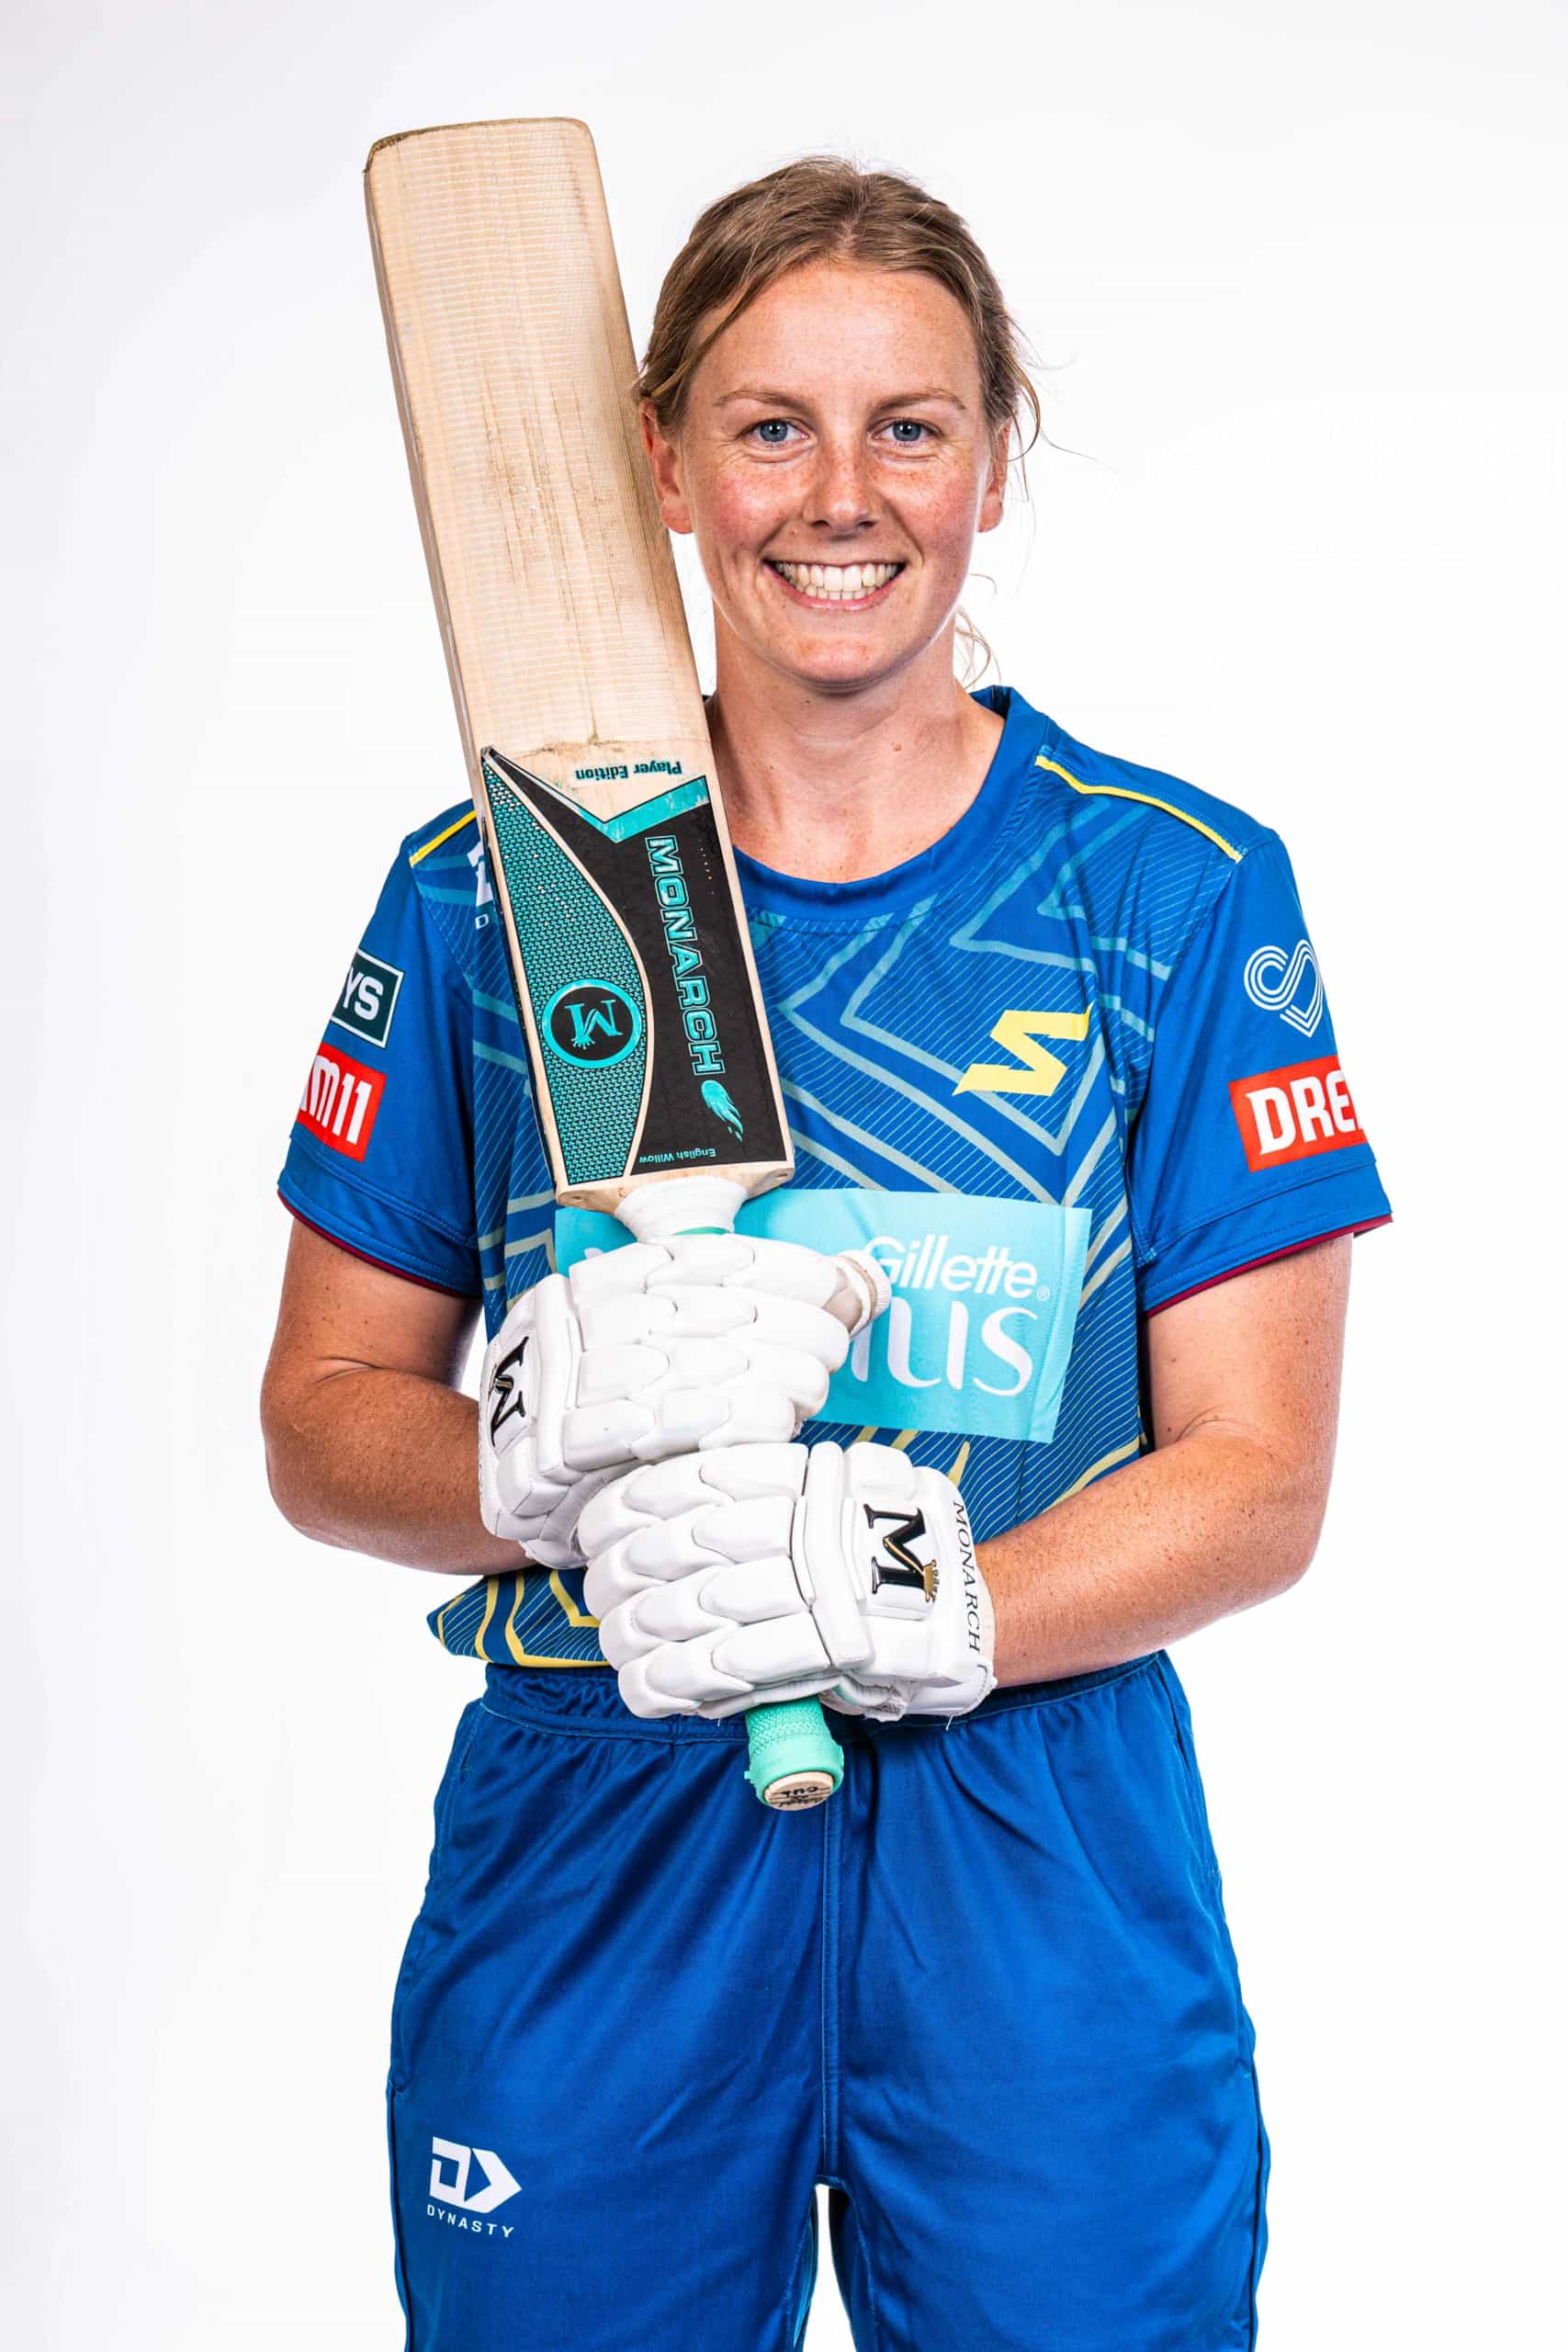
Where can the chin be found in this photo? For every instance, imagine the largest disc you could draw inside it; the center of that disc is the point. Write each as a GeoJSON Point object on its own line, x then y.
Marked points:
{"type": "Point", "coordinates": [836, 674]}
{"type": "Point", "coordinates": [840, 665]}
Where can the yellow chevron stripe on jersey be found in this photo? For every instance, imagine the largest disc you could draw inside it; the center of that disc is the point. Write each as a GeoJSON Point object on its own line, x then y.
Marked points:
{"type": "Point", "coordinates": [1124, 792]}
{"type": "Point", "coordinates": [491, 1590]}
{"type": "Point", "coordinates": [439, 1621]}
{"type": "Point", "coordinates": [425, 847]}
{"type": "Point", "coordinates": [575, 1615]}
{"type": "Point", "coordinates": [519, 1656]}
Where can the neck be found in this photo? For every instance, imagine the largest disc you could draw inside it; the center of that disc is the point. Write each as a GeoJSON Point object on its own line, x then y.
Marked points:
{"type": "Point", "coordinates": [834, 787]}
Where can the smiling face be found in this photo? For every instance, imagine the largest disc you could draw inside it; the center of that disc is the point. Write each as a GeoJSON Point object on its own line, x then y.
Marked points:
{"type": "Point", "coordinates": [834, 464]}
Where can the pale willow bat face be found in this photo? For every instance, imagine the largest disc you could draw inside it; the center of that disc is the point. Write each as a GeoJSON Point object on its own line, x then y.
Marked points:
{"type": "Point", "coordinates": [834, 466]}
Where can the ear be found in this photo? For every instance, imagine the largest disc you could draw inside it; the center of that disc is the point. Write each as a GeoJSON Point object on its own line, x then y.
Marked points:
{"type": "Point", "coordinates": [664, 465]}
{"type": "Point", "coordinates": [995, 494]}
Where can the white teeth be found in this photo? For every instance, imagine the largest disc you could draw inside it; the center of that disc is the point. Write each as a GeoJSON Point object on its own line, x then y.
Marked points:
{"type": "Point", "coordinates": [833, 582]}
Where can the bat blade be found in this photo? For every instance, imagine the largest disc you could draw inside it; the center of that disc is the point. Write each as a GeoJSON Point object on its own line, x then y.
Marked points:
{"type": "Point", "coordinates": [570, 666]}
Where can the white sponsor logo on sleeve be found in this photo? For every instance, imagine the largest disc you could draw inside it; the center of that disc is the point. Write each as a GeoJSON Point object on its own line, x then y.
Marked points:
{"type": "Point", "coordinates": [1273, 980]}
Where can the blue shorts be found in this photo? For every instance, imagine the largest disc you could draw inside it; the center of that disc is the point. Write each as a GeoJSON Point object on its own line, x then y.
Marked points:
{"type": "Point", "coordinates": [986, 1993]}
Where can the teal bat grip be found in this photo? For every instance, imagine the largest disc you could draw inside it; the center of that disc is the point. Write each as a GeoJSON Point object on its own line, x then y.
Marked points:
{"type": "Point", "coordinates": [796, 1761]}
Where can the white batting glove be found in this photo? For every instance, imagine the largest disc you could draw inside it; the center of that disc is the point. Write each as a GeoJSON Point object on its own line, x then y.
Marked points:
{"type": "Point", "coordinates": [727, 1581]}
{"type": "Point", "coordinates": [653, 1350]}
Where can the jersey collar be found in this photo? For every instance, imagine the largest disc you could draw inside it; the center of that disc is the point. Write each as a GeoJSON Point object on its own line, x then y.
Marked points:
{"type": "Point", "coordinates": [938, 868]}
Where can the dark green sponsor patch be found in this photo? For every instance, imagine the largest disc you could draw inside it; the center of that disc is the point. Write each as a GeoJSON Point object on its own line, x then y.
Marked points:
{"type": "Point", "coordinates": [369, 999]}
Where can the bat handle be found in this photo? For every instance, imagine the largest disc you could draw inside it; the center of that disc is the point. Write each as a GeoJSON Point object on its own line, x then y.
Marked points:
{"type": "Point", "coordinates": [795, 1761]}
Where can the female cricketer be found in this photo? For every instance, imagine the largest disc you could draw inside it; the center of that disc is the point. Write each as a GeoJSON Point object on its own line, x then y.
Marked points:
{"type": "Point", "coordinates": [1056, 1050]}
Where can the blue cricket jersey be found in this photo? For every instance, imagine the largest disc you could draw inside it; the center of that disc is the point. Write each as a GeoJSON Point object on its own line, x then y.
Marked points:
{"type": "Point", "coordinates": [1070, 1064]}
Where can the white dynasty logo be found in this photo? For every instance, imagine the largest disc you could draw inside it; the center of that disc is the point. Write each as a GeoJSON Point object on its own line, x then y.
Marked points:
{"type": "Point", "coordinates": [449, 2169]}
{"type": "Point", "coordinates": [1273, 981]}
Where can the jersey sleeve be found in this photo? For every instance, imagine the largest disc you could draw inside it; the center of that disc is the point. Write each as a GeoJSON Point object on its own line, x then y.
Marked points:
{"type": "Point", "coordinates": [1247, 1143]}
{"type": "Point", "coordinates": [381, 1157]}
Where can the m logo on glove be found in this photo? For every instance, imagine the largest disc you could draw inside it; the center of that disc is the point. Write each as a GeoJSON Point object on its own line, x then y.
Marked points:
{"type": "Point", "coordinates": [896, 1561]}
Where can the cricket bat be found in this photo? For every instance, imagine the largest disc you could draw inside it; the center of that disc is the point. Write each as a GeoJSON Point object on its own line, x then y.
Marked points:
{"type": "Point", "coordinates": [582, 723]}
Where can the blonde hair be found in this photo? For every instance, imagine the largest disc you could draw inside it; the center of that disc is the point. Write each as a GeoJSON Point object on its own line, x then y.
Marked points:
{"type": "Point", "coordinates": [824, 208]}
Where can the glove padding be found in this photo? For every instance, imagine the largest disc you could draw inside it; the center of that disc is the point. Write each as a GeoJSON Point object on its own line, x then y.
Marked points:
{"type": "Point", "coordinates": [653, 1350]}
{"type": "Point", "coordinates": [725, 1581]}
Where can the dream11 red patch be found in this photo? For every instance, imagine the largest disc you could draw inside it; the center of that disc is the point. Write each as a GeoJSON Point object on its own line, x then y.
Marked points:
{"type": "Point", "coordinates": [1292, 1114]}
{"type": "Point", "coordinates": [341, 1099]}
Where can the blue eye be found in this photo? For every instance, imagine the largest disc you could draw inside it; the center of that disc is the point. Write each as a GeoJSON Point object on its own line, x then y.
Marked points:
{"type": "Point", "coordinates": [771, 430]}
{"type": "Point", "coordinates": [909, 426]}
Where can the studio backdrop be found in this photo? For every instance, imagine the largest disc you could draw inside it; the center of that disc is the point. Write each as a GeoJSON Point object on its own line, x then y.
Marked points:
{"type": "Point", "coordinates": [1294, 532]}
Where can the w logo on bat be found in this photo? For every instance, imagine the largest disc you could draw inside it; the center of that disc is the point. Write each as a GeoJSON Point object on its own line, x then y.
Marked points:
{"type": "Point", "coordinates": [592, 1024]}
{"type": "Point", "coordinates": [1273, 981]}
{"type": "Point", "coordinates": [717, 1100]}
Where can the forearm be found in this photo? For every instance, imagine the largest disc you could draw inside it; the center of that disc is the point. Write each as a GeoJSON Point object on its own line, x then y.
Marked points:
{"type": "Point", "coordinates": [384, 1463]}
{"type": "Point", "coordinates": [1212, 1523]}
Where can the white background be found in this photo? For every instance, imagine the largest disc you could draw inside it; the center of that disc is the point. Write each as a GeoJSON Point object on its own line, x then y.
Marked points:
{"type": "Point", "coordinates": [1293, 276]}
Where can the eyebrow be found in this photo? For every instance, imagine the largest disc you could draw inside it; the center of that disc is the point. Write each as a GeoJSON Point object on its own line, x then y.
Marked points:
{"type": "Point", "coordinates": [768, 396]}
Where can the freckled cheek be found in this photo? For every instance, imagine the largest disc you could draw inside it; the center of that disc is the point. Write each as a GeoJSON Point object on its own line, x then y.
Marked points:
{"type": "Point", "coordinates": [941, 524]}
{"type": "Point", "coordinates": [740, 515]}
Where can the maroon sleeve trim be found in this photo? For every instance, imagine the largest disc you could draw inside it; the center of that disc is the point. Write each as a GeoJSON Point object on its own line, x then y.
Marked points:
{"type": "Point", "coordinates": [1290, 1250]}
{"type": "Point", "coordinates": [382, 1265]}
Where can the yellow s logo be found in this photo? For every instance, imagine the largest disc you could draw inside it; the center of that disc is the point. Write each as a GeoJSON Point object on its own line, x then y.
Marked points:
{"type": "Point", "coordinates": [1036, 1070]}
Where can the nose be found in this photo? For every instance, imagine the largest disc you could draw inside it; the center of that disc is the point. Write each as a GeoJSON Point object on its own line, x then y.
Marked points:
{"type": "Point", "coordinates": [838, 495]}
